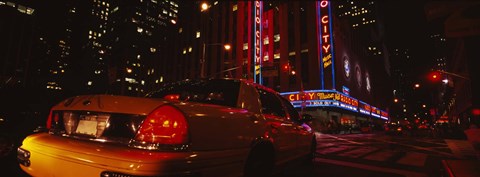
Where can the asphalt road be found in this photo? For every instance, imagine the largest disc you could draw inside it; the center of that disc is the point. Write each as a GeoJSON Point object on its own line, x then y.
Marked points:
{"type": "Point", "coordinates": [372, 155]}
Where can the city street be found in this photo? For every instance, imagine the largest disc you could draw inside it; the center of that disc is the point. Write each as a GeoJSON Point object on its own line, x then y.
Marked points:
{"type": "Point", "coordinates": [364, 155]}
{"type": "Point", "coordinates": [372, 155]}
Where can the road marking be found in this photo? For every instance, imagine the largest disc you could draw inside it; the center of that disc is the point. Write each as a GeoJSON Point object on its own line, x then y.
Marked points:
{"type": "Point", "coordinates": [413, 158]}
{"type": "Point", "coordinates": [422, 148]}
{"type": "Point", "coordinates": [342, 139]}
{"type": "Point", "coordinates": [356, 153]}
{"type": "Point", "coordinates": [371, 168]}
{"type": "Point", "coordinates": [331, 150]}
{"type": "Point", "coordinates": [380, 156]}
{"type": "Point", "coordinates": [461, 147]}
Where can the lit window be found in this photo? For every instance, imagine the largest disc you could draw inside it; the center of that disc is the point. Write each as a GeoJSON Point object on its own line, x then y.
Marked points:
{"type": "Point", "coordinates": [138, 56]}
{"type": "Point", "coordinates": [153, 49]}
{"type": "Point", "coordinates": [89, 83]}
{"type": "Point", "coordinates": [235, 7]}
{"type": "Point", "coordinates": [180, 30]}
{"type": "Point", "coordinates": [184, 51]}
{"type": "Point", "coordinates": [245, 46]}
{"type": "Point", "coordinates": [276, 56]}
{"type": "Point", "coordinates": [198, 34]}
{"type": "Point", "coordinates": [30, 11]}
{"type": "Point", "coordinates": [140, 30]}
{"type": "Point", "coordinates": [190, 49]}
{"type": "Point", "coordinates": [276, 38]}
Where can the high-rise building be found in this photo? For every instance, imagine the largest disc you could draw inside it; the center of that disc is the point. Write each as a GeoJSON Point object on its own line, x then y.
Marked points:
{"type": "Point", "coordinates": [116, 46]}
{"type": "Point", "coordinates": [329, 48]}
{"type": "Point", "coordinates": [17, 49]}
{"type": "Point", "coordinates": [457, 39]}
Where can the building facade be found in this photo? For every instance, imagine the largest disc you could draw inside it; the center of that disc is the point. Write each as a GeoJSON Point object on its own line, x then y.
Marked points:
{"type": "Point", "coordinates": [333, 49]}
{"type": "Point", "coordinates": [116, 47]}
{"type": "Point", "coordinates": [462, 33]}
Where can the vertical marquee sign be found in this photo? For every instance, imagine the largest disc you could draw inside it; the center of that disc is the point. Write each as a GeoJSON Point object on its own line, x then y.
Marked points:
{"type": "Point", "coordinates": [257, 42]}
{"type": "Point", "coordinates": [325, 45]}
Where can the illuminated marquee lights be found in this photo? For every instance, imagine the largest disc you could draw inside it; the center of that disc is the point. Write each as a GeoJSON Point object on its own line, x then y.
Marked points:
{"type": "Point", "coordinates": [375, 112]}
{"type": "Point", "coordinates": [323, 98]}
{"type": "Point", "coordinates": [364, 108]}
{"type": "Point", "coordinates": [384, 115]}
{"type": "Point", "coordinates": [332, 98]}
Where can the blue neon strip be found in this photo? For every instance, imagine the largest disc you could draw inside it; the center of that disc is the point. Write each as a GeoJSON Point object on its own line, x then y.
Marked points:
{"type": "Point", "coordinates": [333, 103]}
{"type": "Point", "coordinates": [331, 43]}
{"type": "Point", "coordinates": [261, 45]}
{"type": "Point", "coordinates": [254, 43]}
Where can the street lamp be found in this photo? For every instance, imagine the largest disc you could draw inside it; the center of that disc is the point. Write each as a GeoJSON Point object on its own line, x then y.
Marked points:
{"type": "Point", "coordinates": [204, 6]}
{"type": "Point", "coordinates": [202, 60]}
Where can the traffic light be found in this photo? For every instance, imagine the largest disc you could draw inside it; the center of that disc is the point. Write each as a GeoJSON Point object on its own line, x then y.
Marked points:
{"type": "Point", "coordinates": [286, 68]}
{"type": "Point", "coordinates": [435, 76]}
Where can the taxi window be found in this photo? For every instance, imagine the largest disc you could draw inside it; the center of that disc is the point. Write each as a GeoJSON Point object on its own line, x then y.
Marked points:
{"type": "Point", "coordinates": [271, 104]}
{"type": "Point", "coordinates": [212, 91]}
{"type": "Point", "coordinates": [292, 112]}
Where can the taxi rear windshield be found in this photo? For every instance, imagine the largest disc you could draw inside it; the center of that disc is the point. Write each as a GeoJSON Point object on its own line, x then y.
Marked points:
{"type": "Point", "coordinates": [213, 91]}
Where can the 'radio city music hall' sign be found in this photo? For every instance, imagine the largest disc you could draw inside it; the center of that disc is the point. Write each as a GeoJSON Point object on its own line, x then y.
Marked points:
{"type": "Point", "coordinates": [325, 34]}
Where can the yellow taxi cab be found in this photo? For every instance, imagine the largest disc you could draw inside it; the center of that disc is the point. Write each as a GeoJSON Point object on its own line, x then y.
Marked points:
{"type": "Point", "coordinates": [208, 127]}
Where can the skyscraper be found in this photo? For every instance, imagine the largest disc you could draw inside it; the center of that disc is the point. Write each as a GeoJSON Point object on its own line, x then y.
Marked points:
{"type": "Point", "coordinates": [292, 47]}
{"type": "Point", "coordinates": [117, 47]}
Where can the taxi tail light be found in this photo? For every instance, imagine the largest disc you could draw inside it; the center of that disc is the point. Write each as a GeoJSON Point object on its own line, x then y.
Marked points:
{"type": "Point", "coordinates": [164, 125]}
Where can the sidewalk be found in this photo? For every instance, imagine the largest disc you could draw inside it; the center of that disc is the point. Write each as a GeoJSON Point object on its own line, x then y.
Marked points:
{"type": "Point", "coordinates": [461, 168]}
{"type": "Point", "coordinates": [469, 149]}
{"type": "Point", "coordinates": [463, 148]}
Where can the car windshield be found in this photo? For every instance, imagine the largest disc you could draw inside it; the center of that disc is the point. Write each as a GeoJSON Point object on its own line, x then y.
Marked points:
{"type": "Point", "coordinates": [212, 91]}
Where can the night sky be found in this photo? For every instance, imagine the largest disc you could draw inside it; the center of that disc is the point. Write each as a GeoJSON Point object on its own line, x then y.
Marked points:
{"type": "Point", "coordinates": [405, 24]}
{"type": "Point", "coordinates": [407, 27]}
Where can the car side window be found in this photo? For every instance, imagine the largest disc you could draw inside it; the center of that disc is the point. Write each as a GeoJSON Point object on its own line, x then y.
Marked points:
{"type": "Point", "coordinates": [292, 112]}
{"type": "Point", "coordinates": [271, 104]}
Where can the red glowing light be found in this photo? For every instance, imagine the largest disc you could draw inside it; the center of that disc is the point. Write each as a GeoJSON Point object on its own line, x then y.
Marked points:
{"type": "Point", "coordinates": [476, 112]}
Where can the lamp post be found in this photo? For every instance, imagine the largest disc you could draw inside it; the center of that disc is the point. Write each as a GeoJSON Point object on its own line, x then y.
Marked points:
{"type": "Point", "coordinates": [202, 60]}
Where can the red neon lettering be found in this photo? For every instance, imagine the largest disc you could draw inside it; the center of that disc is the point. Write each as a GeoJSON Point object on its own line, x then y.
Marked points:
{"type": "Point", "coordinates": [311, 95]}
{"type": "Point", "coordinates": [257, 4]}
{"type": "Point", "coordinates": [257, 20]}
{"type": "Point", "coordinates": [324, 3]}
{"type": "Point", "coordinates": [325, 29]}
{"type": "Point", "coordinates": [290, 97]}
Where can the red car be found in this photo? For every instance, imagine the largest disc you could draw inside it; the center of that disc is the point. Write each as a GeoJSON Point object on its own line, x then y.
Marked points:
{"type": "Point", "coordinates": [213, 127]}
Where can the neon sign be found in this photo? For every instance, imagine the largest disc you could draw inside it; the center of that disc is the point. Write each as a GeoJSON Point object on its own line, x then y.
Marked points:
{"type": "Point", "coordinates": [257, 76]}
{"type": "Point", "coordinates": [364, 108]}
{"type": "Point", "coordinates": [324, 97]}
{"type": "Point", "coordinates": [325, 44]}
{"type": "Point", "coordinates": [332, 98]}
